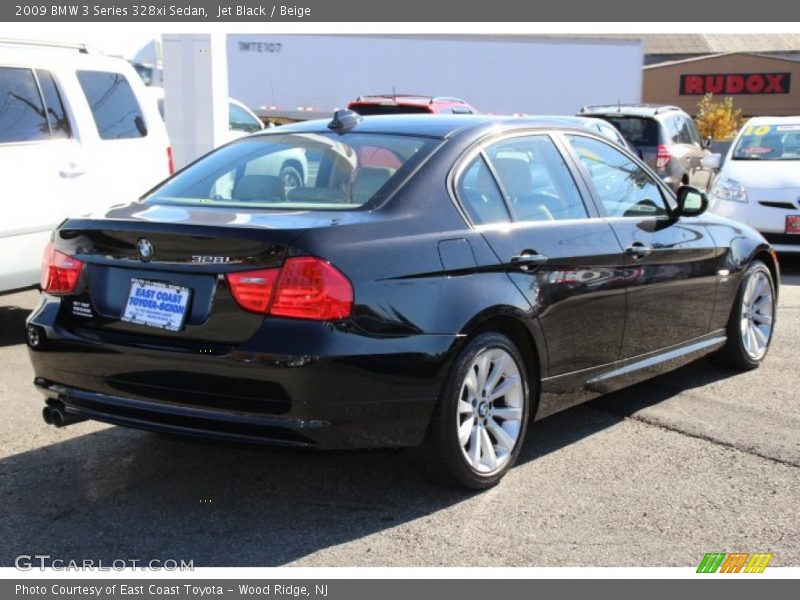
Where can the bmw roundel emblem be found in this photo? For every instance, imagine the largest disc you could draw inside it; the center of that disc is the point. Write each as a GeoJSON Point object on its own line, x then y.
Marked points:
{"type": "Point", "coordinates": [146, 249]}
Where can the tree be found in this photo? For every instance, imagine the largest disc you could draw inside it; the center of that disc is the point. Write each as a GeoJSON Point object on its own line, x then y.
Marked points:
{"type": "Point", "coordinates": [718, 119]}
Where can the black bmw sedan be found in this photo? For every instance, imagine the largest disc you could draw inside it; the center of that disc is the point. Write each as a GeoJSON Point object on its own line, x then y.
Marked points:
{"type": "Point", "coordinates": [436, 283]}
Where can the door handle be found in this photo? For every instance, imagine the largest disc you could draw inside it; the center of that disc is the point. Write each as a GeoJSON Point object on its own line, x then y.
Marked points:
{"type": "Point", "coordinates": [638, 250]}
{"type": "Point", "coordinates": [71, 170]}
{"type": "Point", "coordinates": [528, 258]}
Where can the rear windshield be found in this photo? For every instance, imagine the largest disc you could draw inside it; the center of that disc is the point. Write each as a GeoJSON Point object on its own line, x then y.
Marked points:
{"type": "Point", "coordinates": [307, 171]}
{"type": "Point", "coordinates": [389, 109]}
{"type": "Point", "coordinates": [637, 130]}
{"type": "Point", "coordinates": [769, 142]}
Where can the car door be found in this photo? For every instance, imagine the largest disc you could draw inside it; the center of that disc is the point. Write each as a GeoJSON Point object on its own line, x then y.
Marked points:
{"type": "Point", "coordinates": [670, 263]}
{"type": "Point", "coordinates": [566, 261]}
{"type": "Point", "coordinates": [40, 166]}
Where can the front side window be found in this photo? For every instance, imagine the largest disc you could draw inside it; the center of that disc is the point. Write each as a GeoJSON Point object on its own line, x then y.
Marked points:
{"type": "Point", "coordinates": [624, 188]}
{"type": "Point", "coordinates": [328, 171]}
{"type": "Point", "coordinates": [536, 181]}
{"type": "Point", "coordinates": [116, 112]}
{"type": "Point", "coordinates": [22, 113]}
{"type": "Point", "coordinates": [774, 141]}
{"type": "Point", "coordinates": [240, 120]}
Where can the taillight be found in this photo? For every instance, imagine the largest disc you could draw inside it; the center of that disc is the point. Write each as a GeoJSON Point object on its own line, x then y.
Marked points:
{"type": "Point", "coordinates": [170, 161]}
{"type": "Point", "coordinates": [252, 290]}
{"type": "Point", "coordinates": [663, 157]}
{"type": "Point", "coordinates": [60, 273]}
{"type": "Point", "coordinates": [311, 288]}
{"type": "Point", "coordinates": [304, 288]}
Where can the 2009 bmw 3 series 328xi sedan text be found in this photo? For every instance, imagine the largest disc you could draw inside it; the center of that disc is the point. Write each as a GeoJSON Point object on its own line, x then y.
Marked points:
{"type": "Point", "coordinates": [435, 282]}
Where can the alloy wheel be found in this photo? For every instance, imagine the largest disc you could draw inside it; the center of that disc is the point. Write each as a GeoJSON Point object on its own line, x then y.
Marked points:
{"type": "Point", "coordinates": [490, 410]}
{"type": "Point", "coordinates": [757, 316]}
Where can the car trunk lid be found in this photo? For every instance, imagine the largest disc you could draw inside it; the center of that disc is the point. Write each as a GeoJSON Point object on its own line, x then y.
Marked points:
{"type": "Point", "coordinates": [174, 250]}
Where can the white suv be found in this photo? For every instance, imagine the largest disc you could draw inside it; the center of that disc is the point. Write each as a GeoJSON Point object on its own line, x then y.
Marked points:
{"type": "Point", "coordinates": [78, 133]}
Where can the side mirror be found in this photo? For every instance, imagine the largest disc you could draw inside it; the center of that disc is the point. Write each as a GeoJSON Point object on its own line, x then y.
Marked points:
{"type": "Point", "coordinates": [707, 142]}
{"type": "Point", "coordinates": [711, 161]}
{"type": "Point", "coordinates": [691, 202]}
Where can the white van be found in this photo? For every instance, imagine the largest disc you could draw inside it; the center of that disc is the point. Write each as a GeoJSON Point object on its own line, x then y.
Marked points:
{"type": "Point", "coordinates": [78, 133]}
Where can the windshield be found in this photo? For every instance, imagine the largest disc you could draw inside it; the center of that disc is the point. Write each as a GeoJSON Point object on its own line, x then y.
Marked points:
{"type": "Point", "coordinates": [292, 171]}
{"type": "Point", "coordinates": [769, 142]}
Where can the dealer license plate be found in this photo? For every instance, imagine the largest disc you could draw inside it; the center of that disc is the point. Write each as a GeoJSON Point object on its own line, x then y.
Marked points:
{"type": "Point", "coordinates": [793, 224]}
{"type": "Point", "coordinates": [157, 304]}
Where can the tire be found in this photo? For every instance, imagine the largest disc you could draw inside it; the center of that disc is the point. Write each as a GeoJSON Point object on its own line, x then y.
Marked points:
{"type": "Point", "coordinates": [290, 177]}
{"type": "Point", "coordinates": [450, 454]}
{"type": "Point", "coordinates": [753, 309]}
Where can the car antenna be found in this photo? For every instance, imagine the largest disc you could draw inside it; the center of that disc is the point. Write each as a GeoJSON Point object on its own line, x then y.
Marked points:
{"type": "Point", "coordinates": [344, 120]}
{"type": "Point", "coordinates": [619, 106]}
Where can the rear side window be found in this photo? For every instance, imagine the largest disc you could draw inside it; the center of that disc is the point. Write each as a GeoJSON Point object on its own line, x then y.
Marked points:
{"type": "Point", "coordinates": [56, 115]}
{"type": "Point", "coordinates": [22, 114]}
{"type": "Point", "coordinates": [480, 196]}
{"type": "Point", "coordinates": [694, 135]}
{"type": "Point", "coordinates": [637, 130]}
{"type": "Point", "coordinates": [536, 181]}
{"type": "Point", "coordinates": [116, 112]}
{"type": "Point", "coordinates": [673, 125]}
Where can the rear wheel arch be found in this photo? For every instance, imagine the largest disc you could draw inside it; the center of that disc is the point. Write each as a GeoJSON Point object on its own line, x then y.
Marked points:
{"type": "Point", "coordinates": [532, 352]}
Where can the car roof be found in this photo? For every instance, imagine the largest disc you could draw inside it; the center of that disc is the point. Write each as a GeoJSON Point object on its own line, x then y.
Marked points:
{"type": "Point", "coordinates": [773, 120]}
{"type": "Point", "coordinates": [435, 125]}
{"type": "Point", "coordinates": [629, 110]}
{"type": "Point", "coordinates": [14, 54]}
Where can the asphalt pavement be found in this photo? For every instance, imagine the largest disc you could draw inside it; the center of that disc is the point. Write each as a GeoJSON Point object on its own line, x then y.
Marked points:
{"type": "Point", "coordinates": [699, 460]}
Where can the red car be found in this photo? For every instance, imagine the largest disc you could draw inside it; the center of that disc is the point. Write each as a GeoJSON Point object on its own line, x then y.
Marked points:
{"type": "Point", "coordinates": [395, 104]}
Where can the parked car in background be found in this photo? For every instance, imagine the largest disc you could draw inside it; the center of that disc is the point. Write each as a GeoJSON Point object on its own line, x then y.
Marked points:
{"type": "Point", "coordinates": [759, 183]}
{"type": "Point", "coordinates": [77, 133]}
{"type": "Point", "coordinates": [395, 104]}
{"type": "Point", "coordinates": [666, 138]}
{"type": "Point", "coordinates": [600, 126]}
{"type": "Point", "coordinates": [291, 166]}
{"type": "Point", "coordinates": [502, 270]}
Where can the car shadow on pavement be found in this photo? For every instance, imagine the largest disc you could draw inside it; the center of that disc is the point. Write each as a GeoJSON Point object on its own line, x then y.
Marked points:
{"type": "Point", "coordinates": [630, 400]}
{"type": "Point", "coordinates": [12, 325]}
{"type": "Point", "coordinates": [116, 493]}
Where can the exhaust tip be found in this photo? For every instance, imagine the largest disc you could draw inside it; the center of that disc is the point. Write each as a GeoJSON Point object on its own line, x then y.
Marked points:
{"type": "Point", "coordinates": [59, 417]}
{"type": "Point", "coordinates": [55, 414]}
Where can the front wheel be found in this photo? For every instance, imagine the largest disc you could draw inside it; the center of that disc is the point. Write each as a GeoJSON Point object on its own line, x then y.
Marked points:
{"type": "Point", "coordinates": [479, 423]}
{"type": "Point", "coordinates": [752, 320]}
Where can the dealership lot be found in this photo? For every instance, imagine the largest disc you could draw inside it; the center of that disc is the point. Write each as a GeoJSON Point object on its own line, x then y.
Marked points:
{"type": "Point", "coordinates": [695, 461]}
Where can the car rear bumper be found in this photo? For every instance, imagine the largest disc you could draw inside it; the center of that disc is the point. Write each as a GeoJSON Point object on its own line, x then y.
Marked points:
{"type": "Point", "coordinates": [382, 396]}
